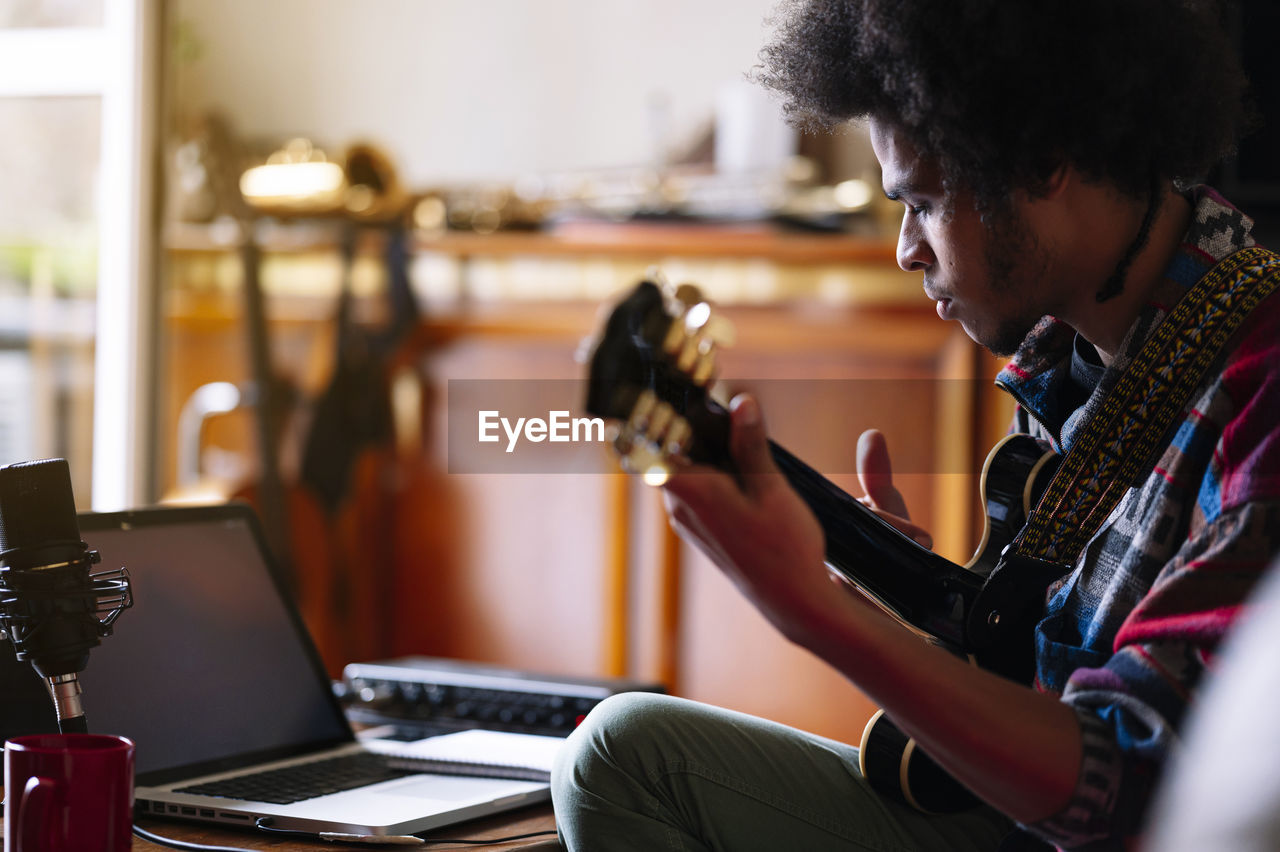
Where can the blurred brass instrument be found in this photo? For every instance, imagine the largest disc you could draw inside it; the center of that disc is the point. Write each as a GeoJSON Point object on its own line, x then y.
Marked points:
{"type": "Point", "coordinates": [299, 180]}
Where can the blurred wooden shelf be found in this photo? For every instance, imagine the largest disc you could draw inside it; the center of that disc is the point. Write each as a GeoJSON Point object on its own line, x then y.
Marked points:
{"type": "Point", "coordinates": [578, 239]}
{"type": "Point", "coordinates": [760, 241]}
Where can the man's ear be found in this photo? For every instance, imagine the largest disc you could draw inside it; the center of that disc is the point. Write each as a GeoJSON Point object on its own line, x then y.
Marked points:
{"type": "Point", "coordinates": [1057, 182]}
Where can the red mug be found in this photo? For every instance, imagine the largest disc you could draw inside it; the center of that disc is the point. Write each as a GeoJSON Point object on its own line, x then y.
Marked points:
{"type": "Point", "coordinates": [68, 791]}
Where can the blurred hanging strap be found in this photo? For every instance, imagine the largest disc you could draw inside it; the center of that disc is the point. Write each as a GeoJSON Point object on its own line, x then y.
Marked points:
{"type": "Point", "coordinates": [272, 401]}
{"type": "Point", "coordinates": [354, 411]}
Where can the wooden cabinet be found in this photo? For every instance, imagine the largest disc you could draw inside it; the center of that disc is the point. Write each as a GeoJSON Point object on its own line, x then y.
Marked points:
{"type": "Point", "coordinates": [575, 570]}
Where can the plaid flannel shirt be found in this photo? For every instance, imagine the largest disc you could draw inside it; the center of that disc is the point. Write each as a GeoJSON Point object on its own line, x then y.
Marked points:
{"type": "Point", "coordinates": [1128, 633]}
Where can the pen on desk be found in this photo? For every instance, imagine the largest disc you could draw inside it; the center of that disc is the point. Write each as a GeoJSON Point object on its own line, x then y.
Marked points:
{"type": "Point", "coordinates": [388, 839]}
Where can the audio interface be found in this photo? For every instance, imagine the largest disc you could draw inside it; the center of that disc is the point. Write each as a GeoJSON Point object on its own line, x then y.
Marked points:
{"type": "Point", "coordinates": [421, 696]}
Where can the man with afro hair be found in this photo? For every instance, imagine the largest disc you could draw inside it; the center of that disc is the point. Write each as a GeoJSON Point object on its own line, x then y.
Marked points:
{"type": "Point", "coordinates": [1047, 155]}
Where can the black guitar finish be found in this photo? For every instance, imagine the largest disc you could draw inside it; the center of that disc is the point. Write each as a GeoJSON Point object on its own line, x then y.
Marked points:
{"type": "Point", "coordinates": [650, 370]}
{"type": "Point", "coordinates": [922, 588]}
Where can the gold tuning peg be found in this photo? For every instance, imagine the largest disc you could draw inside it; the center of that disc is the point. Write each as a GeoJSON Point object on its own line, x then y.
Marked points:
{"type": "Point", "coordinates": [651, 438]}
{"type": "Point", "coordinates": [702, 320]}
{"type": "Point", "coordinates": [689, 295]}
{"type": "Point", "coordinates": [696, 333]}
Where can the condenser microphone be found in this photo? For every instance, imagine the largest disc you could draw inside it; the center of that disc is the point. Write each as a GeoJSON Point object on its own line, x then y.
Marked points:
{"type": "Point", "coordinates": [52, 609]}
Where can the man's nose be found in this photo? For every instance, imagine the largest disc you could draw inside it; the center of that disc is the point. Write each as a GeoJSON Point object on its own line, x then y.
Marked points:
{"type": "Point", "coordinates": [914, 253]}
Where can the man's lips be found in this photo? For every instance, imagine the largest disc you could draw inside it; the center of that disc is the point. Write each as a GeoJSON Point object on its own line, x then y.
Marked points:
{"type": "Point", "coordinates": [943, 303]}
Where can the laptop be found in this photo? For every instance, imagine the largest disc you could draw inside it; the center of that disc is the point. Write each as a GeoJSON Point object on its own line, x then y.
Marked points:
{"type": "Point", "coordinates": [214, 677]}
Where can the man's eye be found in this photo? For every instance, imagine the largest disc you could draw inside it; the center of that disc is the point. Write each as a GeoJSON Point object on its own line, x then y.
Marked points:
{"type": "Point", "coordinates": [911, 209]}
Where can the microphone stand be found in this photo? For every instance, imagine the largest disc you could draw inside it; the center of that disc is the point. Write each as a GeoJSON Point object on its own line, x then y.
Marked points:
{"type": "Point", "coordinates": [52, 609]}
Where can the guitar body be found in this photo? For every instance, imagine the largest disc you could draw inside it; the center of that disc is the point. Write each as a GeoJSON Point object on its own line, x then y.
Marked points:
{"type": "Point", "coordinates": [895, 766]}
{"type": "Point", "coordinates": [1016, 472]}
{"type": "Point", "coordinates": [650, 372]}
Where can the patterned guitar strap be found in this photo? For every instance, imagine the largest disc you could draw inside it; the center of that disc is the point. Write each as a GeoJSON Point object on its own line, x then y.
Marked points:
{"type": "Point", "coordinates": [1115, 451]}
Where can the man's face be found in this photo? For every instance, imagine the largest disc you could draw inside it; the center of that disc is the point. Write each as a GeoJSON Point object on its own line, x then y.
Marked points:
{"type": "Point", "coordinates": [988, 276]}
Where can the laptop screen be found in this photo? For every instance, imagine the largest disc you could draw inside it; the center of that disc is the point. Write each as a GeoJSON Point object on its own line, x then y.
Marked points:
{"type": "Point", "coordinates": [211, 669]}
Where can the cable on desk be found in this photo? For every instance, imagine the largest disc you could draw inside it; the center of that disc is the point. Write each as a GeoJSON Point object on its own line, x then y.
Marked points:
{"type": "Point", "coordinates": [264, 824]}
{"type": "Point", "coordinates": [183, 844]}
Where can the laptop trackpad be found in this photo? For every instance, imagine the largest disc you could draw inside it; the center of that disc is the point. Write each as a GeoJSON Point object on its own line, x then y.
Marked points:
{"type": "Point", "coordinates": [449, 787]}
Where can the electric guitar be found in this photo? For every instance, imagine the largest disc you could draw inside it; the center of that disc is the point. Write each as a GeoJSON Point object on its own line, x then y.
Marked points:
{"type": "Point", "coordinates": [650, 372]}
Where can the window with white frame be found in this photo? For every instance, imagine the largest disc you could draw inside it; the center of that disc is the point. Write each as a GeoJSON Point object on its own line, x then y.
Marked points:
{"type": "Point", "coordinates": [76, 129]}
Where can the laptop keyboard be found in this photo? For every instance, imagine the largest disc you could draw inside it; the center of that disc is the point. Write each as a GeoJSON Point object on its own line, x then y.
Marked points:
{"type": "Point", "coordinates": [304, 780]}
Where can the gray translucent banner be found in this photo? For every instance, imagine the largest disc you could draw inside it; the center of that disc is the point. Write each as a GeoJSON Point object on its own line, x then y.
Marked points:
{"type": "Point", "coordinates": [541, 427]}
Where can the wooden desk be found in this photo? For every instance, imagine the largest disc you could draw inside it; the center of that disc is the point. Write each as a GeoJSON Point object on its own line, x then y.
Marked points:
{"type": "Point", "coordinates": [523, 821]}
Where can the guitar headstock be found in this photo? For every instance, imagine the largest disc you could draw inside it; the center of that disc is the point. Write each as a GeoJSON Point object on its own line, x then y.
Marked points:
{"type": "Point", "coordinates": [649, 372]}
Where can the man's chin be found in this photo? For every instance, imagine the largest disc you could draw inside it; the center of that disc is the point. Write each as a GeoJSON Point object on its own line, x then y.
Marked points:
{"type": "Point", "coordinates": [1005, 342]}
{"type": "Point", "coordinates": [1002, 348]}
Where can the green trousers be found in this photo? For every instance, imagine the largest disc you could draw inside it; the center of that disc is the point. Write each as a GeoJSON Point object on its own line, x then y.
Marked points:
{"type": "Point", "coordinates": [652, 773]}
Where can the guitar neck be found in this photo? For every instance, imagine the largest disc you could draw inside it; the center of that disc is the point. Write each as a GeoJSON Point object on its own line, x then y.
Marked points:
{"type": "Point", "coordinates": [919, 586]}
{"type": "Point", "coordinates": [649, 372]}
